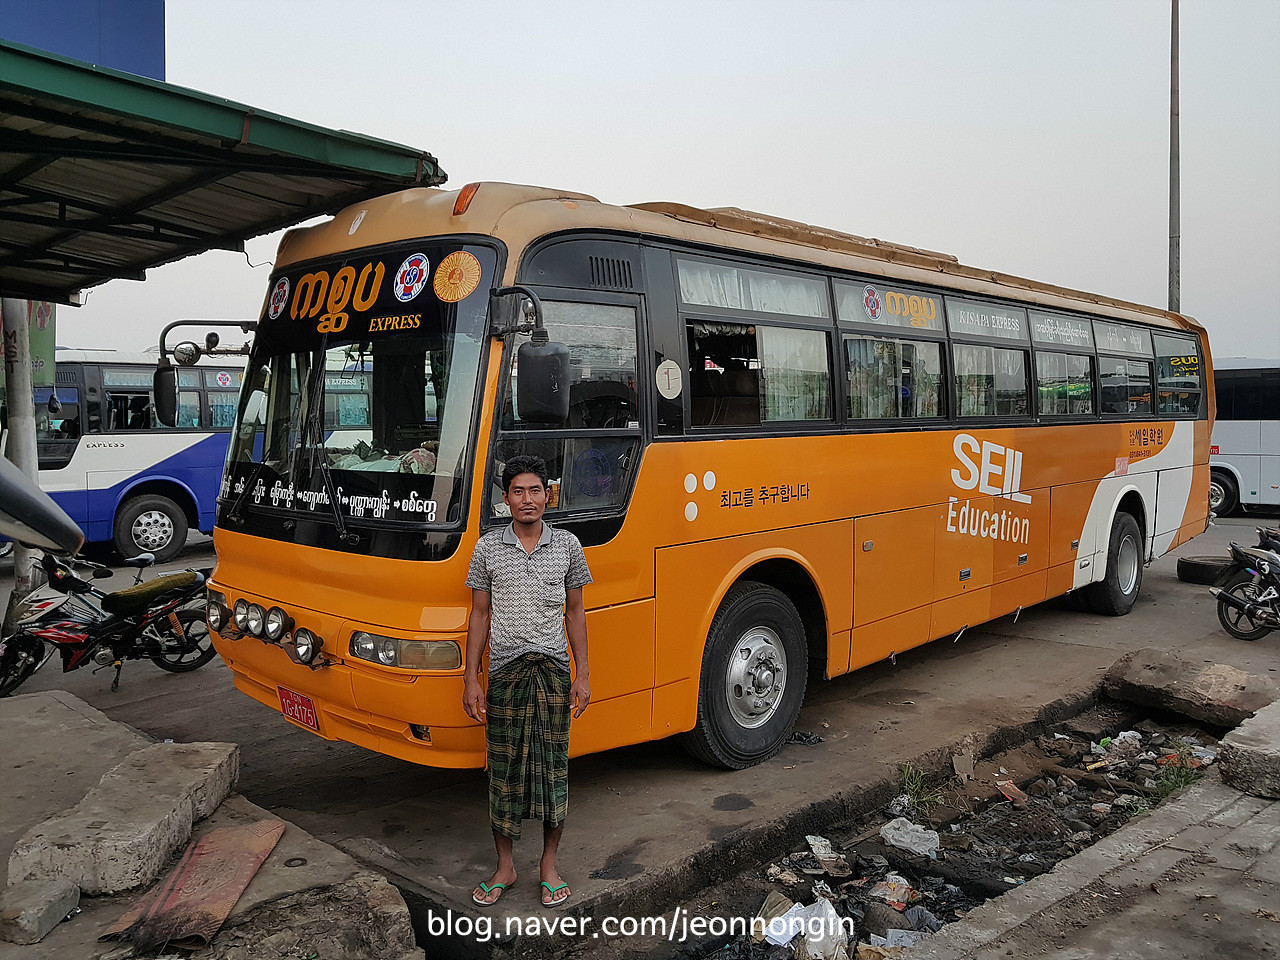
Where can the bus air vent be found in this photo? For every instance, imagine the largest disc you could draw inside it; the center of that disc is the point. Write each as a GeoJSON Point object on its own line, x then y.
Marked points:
{"type": "Point", "coordinates": [610, 272]}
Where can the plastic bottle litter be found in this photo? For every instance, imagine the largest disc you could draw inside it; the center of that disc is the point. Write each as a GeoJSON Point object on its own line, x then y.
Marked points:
{"type": "Point", "coordinates": [912, 837]}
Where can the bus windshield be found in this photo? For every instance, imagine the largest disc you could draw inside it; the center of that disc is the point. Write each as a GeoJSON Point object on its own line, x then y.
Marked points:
{"type": "Point", "coordinates": [370, 424]}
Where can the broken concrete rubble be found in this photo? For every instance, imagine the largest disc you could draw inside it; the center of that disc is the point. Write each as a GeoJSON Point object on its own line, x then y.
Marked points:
{"type": "Point", "coordinates": [1215, 693]}
{"type": "Point", "coordinates": [125, 830]}
{"type": "Point", "coordinates": [30, 910]}
{"type": "Point", "coordinates": [1251, 754]}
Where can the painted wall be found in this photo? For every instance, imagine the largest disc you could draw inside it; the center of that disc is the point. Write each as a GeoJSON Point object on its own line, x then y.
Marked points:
{"type": "Point", "coordinates": [124, 35]}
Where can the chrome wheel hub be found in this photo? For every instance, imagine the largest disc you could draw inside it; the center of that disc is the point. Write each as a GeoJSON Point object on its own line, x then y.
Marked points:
{"type": "Point", "coordinates": [1127, 563]}
{"type": "Point", "coordinates": [152, 530]}
{"type": "Point", "coordinates": [756, 677]}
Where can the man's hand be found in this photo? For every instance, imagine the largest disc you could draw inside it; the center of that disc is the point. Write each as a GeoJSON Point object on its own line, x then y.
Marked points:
{"type": "Point", "coordinates": [579, 695]}
{"type": "Point", "coordinates": [473, 700]}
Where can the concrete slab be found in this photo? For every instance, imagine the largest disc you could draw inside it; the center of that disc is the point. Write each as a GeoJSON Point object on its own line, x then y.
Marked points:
{"type": "Point", "coordinates": [1250, 754]}
{"type": "Point", "coordinates": [30, 910]}
{"type": "Point", "coordinates": [126, 828]}
{"type": "Point", "coordinates": [1216, 693]}
{"type": "Point", "coordinates": [54, 750]}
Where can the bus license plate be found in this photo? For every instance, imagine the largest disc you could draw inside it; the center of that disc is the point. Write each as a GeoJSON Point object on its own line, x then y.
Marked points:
{"type": "Point", "coordinates": [298, 708]}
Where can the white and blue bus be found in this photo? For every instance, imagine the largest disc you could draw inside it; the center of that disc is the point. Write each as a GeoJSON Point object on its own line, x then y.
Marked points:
{"type": "Point", "coordinates": [127, 479]}
{"type": "Point", "coordinates": [1244, 453]}
{"type": "Point", "coordinates": [120, 474]}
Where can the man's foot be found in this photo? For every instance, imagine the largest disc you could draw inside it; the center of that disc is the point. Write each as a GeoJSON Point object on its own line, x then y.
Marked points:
{"type": "Point", "coordinates": [555, 892]}
{"type": "Point", "coordinates": [490, 892]}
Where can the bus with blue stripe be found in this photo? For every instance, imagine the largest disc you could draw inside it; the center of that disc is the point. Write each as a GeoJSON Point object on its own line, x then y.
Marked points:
{"type": "Point", "coordinates": [125, 478]}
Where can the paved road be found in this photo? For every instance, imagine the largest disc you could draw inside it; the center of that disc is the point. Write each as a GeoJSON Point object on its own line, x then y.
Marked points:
{"type": "Point", "coordinates": [643, 810]}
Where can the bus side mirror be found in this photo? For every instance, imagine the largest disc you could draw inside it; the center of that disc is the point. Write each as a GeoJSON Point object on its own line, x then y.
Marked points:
{"type": "Point", "coordinates": [165, 387]}
{"type": "Point", "coordinates": [542, 378]}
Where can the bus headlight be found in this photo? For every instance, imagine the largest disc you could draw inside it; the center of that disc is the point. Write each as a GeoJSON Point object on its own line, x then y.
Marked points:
{"type": "Point", "coordinates": [241, 613]}
{"type": "Point", "coordinates": [278, 624]}
{"type": "Point", "coordinates": [303, 646]}
{"type": "Point", "coordinates": [255, 619]}
{"type": "Point", "coordinates": [407, 654]}
{"type": "Point", "coordinates": [215, 610]}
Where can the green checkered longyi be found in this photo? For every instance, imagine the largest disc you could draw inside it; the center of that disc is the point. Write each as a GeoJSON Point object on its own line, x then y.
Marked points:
{"type": "Point", "coordinates": [528, 737]}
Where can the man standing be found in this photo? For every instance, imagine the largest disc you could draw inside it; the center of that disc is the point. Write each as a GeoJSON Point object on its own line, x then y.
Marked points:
{"type": "Point", "coordinates": [526, 583]}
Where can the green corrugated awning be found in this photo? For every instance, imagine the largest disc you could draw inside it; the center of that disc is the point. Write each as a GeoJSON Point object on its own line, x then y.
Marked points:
{"type": "Point", "coordinates": [104, 174]}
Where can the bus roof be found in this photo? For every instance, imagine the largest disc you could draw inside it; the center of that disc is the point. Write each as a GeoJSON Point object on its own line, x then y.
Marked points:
{"type": "Point", "coordinates": [145, 358]}
{"type": "Point", "coordinates": [519, 215]}
{"type": "Point", "coordinates": [1244, 363]}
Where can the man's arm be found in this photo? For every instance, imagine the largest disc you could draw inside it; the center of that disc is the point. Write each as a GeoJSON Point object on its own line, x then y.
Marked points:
{"type": "Point", "coordinates": [477, 634]}
{"type": "Point", "coordinates": [575, 620]}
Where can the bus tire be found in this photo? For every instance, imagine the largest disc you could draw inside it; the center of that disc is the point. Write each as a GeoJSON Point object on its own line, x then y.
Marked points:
{"type": "Point", "coordinates": [150, 524]}
{"type": "Point", "coordinates": [1224, 495]}
{"type": "Point", "coordinates": [754, 671]}
{"type": "Point", "coordinates": [1117, 592]}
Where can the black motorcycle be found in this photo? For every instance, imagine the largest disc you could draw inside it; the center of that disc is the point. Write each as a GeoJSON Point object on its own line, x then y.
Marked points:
{"type": "Point", "coordinates": [1248, 590]}
{"type": "Point", "coordinates": [161, 619]}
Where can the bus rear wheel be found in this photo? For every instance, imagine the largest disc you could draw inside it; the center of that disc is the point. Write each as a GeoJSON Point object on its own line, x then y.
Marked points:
{"type": "Point", "coordinates": [754, 671]}
{"type": "Point", "coordinates": [1224, 496]}
{"type": "Point", "coordinates": [1117, 592]}
{"type": "Point", "coordinates": [150, 524]}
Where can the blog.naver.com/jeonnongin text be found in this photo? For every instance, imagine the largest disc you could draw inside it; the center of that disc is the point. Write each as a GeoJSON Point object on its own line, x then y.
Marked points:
{"type": "Point", "coordinates": [677, 926]}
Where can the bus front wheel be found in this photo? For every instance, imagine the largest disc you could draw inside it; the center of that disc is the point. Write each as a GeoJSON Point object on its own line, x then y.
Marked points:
{"type": "Point", "coordinates": [150, 524]}
{"type": "Point", "coordinates": [754, 670]}
{"type": "Point", "coordinates": [1117, 592]}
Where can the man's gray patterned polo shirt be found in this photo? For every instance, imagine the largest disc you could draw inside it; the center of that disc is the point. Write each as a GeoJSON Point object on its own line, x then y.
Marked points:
{"type": "Point", "coordinates": [527, 591]}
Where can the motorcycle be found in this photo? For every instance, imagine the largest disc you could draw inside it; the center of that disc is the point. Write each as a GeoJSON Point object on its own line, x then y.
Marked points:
{"type": "Point", "coordinates": [161, 619]}
{"type": "Point", "coordinates": [1248, 591]}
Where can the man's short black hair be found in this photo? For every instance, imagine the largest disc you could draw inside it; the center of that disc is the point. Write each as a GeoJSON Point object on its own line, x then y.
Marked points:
{"type": "Point", "coordinates": [524, 464]}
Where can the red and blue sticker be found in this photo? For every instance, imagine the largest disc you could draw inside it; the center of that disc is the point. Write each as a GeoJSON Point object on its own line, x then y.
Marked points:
{"type": "Point", "coordinates": [412, 277]}
{"type": "Point", "coordinates": [279, 297]}
{"type": "Point", "coordinates": [871, 301]}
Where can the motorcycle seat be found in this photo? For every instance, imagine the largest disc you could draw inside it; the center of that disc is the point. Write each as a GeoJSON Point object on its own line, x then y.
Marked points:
{"type": "Point", "coordinates": [135, 599]}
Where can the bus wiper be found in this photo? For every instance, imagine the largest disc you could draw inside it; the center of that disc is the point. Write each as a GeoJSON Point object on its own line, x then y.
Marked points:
{"type": "Point", "coordinates": [234, 514]}
{"type": "Point", "coordinates": [318, 448]}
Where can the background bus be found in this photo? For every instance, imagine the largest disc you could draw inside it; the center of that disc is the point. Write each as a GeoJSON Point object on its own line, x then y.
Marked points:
{"type": "Point", "coordinates": [1245, 450]}
{"type": "Point", "coordinates": [123, 477]}
{"type": "Point", "coordinates": [787, 451]}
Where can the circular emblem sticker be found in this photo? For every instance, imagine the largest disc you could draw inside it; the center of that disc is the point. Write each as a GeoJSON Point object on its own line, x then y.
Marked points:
{"type": "Point", "coordinates": [224, 378]}
{"type": "Point", "coordinates": [669, 379]}
{"type": "Point", "coordinates": [871, 301]}
{"type": "Point", "coordinates": [279, 297]}
{"type": "Point", "coordinates": [412, 277]}
{"type": "Point", "coordinates": [457, 276]}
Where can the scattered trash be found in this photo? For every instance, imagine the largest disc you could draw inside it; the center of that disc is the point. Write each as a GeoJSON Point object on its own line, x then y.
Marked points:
{"type": "Point", "coordinates": [832, 862]}
{"type": "Point", "coordinates": [779, 874]}
{"type": "Point", "coordinates": [823, 935]}
{"type": "Point", "coordinates": [1102, 808]}
{"type": "Point", "coordinates": [900, 806]}
{"type": "Point", "coordinates": [1010, 790]}
{"type": "Point", "coordinates": [895, 891]}
{"type": "Point", "coordinates": [804, 738]}
{"type": "Point", "coordinates": [962, 763]}
{"type": "Point", "coordinates": [775, 905]}
{"type": "Point", "coordinates": [922, 919]}
{"type": "Point", "coordinates": [912, 837]}
{"type": "Point", "coordinates": [1263, 914]}
{"type": "Point", "coordinates": [898, 938]}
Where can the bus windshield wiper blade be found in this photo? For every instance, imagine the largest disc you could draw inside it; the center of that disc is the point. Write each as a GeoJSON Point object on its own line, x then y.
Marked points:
{"type": "Point", "coordinates": [319, 453]}
{"type": "Point", "coordinates": [234, 514]}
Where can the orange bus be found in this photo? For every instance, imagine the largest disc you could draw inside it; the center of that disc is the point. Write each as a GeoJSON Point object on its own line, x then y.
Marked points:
{"type": "Point", "coordinates": [789, 452]}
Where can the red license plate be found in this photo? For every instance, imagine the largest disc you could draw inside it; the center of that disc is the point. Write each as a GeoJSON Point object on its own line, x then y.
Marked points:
{"type": "Point", "coordinates": [298, 708]}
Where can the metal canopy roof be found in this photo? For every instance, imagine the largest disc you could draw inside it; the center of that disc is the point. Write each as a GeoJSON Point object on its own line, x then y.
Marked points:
{"type": "Point", "coordinates": [104, 174]}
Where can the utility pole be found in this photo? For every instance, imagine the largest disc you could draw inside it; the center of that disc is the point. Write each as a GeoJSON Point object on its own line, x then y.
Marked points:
{"type": "Point", "coordinates": [1175, 227]}
{"type": "Point", "coordinates": [21, 430]}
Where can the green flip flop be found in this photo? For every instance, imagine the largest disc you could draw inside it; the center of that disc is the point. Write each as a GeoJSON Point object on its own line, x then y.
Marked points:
{"type": "Point", "coordinates": [488, 888]}
{"type": "Point", "coordinates": [553, 891]}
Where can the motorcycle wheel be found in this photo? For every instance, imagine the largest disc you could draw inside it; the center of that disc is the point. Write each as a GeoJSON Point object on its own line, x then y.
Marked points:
{"type": "Point", "coordinates": [188, 651]}
{"type": "Point", "coordinates": [1236, 622]}
{"type": "Point", "coordinates": [21, 657]}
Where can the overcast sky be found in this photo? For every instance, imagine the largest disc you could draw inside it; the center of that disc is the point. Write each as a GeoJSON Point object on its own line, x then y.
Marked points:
{"type": "Point", "coordinates": [1027, 136]}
